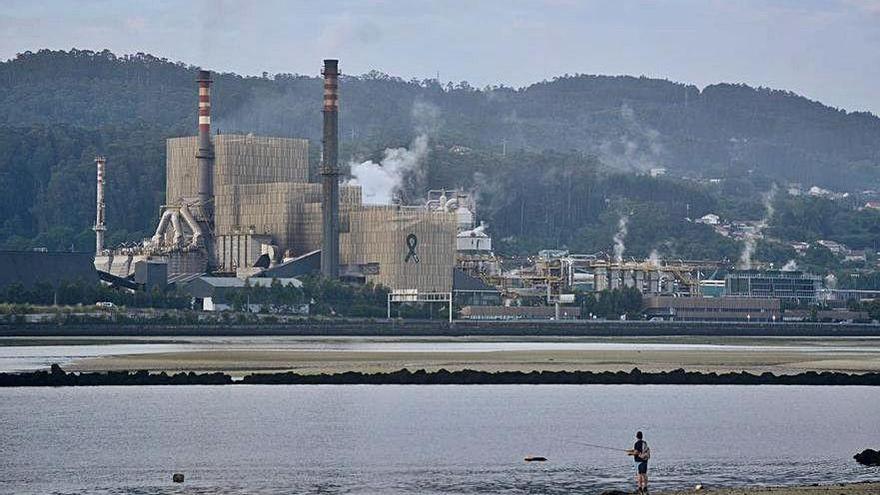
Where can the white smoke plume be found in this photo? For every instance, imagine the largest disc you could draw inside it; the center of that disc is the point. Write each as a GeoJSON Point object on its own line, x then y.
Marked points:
{"type": "Point", "coordinates": [830, 281]}
{"type": "Point", "coordinates": [654, 258]}
{"type": "Point", "coordinates": [619, 237]}
{"type": "Point", "coordinates": [751, 238]}
{"type": "Point", "coordinates": [791, 266]}
{"type": "Point", "coordinates": [380, 181]}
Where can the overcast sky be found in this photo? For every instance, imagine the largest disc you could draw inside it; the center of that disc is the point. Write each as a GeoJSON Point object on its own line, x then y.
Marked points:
{"type": "Point", "coordinates": [826, 50]}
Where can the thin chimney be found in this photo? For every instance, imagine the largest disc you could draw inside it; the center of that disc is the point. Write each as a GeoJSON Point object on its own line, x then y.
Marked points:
{"type": "Point", "coordinates": [330, 172]}
{"type": "Point", "coordinates": [100, 225]}
{"type": "Point", "coordinates": [205, 154]}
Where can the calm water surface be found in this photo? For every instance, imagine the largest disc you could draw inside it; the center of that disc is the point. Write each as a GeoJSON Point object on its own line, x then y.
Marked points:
{"type": "Point", "coordinates": [426, 439]}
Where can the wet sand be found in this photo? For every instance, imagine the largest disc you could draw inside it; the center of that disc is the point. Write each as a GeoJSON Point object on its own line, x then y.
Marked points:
{"type": "Point", "coordinates": [776, 355]}
{"type": "Point", "coordinates": [844, 489]}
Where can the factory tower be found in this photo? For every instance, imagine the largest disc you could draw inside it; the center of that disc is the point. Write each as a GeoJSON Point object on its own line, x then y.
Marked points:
{"type": "Point", "coordinates": [100, 224]}
{"type": "Point", "coordinates": [330, 172]}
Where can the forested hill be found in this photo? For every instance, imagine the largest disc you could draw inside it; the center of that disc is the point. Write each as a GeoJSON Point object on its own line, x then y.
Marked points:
{"type": "Point", "coordinates": [628, 122]}
{"type": "Point", "coordinates": [58, 109]}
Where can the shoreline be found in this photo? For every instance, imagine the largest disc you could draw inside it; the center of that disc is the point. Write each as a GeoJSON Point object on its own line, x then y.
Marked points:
{"type": "Point", "coordinates": [57, 377]}
{"type": "Point", "coordinates": [855, 488]}
{"type": "Point", "coordinates": [381, 327]}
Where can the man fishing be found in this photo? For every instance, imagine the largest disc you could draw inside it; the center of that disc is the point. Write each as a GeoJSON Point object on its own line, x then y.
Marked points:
{"type": "Point", "coordinates": [641, 453]}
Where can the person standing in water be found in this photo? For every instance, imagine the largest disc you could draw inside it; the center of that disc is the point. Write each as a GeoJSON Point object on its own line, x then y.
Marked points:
{"type": "Point", "coordinates": [641, 453]}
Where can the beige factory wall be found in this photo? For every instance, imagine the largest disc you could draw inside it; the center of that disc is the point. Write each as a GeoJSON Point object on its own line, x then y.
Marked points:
{"type": "Point", "coordinates": [239, 159]}
{"type": "Point", "coordinates": [181, 174]}
{"type": "Point", "coordinates": [378, 235]}
{"type": "Point", "coordinates": [306, 229]}
{"type": "Point", "coordinates": [289, 212]}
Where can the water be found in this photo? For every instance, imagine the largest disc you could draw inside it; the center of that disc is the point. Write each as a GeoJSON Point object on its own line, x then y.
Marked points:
{"type": "Point", "coordinates": [428, 439]}
{"type": "Point", "coordinates": [16, 358]}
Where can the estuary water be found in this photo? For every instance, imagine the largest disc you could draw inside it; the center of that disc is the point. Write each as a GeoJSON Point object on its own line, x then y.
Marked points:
{"type": "Point", "coordinates": [427, 439]}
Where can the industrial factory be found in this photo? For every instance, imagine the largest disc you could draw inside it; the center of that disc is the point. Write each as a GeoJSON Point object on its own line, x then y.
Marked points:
{"type": "Point", "coordinates": [243, 208]}
{"type": "Point", "coordinates": [237, 205]}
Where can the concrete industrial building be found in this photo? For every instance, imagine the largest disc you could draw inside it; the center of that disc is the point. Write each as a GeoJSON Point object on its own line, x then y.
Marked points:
{"type": "Point", "coordinates": [233, 200]}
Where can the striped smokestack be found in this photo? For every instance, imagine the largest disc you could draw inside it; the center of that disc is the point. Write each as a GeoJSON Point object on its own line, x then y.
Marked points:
{"type": "Point", "coordinates": [330, 173]}
{"type": "Point", "coordinates": [205, 155]}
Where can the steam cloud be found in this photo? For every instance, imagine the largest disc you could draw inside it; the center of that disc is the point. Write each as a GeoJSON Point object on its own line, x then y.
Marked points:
{"type": "Point", "coordinates": [380, 181]}
{"type": "Point", "coordinates": [654, 258]}
{"type": "Point", "coordinates": [751, 238]}
{"type": "Point", "coordinates": [619, 237]}
{"type": "Point", "coordinates": [790, 266]}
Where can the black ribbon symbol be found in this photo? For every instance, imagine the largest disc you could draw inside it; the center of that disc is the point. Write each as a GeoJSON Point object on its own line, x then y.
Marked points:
{"type": "Point", "coordinates": [411, 242]}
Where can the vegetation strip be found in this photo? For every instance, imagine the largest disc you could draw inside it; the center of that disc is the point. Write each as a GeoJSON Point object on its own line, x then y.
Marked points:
{"type": "Point", "coordinates": [57, 377]}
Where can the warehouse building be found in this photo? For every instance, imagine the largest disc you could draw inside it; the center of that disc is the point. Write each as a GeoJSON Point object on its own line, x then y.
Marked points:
{"type": "Point", "coordinates": [788, 286]}
{"type": "Point", "coordinates": [742, 309]}
{"type": "Point", "coordinates": [27, 269]}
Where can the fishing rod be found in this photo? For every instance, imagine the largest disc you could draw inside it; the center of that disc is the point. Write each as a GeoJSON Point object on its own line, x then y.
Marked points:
{"type": "Point", "coordinates": [585, 444]}
{"type": "Point", "coordinates": [616, 449]}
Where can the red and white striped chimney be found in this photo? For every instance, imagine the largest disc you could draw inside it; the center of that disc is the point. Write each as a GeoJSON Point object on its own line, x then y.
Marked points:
{"type": "Point", "coordinates": [205, 155]}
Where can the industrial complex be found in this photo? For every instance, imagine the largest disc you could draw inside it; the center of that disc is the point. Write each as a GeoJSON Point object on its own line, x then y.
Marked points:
{"type": "Point", "coordinates": [237, 205]}
{"type": "Point", "coordinates": [243, 210]}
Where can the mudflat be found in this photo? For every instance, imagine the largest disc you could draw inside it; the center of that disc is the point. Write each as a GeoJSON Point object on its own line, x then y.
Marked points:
{"type": "Point", "coordinates": [315, 355]}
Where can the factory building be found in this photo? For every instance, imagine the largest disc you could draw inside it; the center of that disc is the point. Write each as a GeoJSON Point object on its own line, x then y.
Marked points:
{"type": "Point", "coordinates": [28, 269]}
{"type": "Point", "coordinates": [731, 309]}
{"type": "Point", "coordinates": [242, 204]}
{"type": "Point", "coordinates": [789, 286]}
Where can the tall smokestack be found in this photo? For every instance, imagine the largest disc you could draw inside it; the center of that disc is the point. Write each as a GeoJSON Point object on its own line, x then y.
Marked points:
{"type": "Point", "coordinates": [205, 155]}
{"type": "Point", "coordinates": [100, 226]}
{"type": "Point", "coordinates": [330, 173]}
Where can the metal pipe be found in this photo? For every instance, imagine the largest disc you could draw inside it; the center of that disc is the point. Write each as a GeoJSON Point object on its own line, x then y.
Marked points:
{"type": "Point", "coordinates": [330, 172]}
{"type": "Point", "coordinates": [160, 230]}
{"type": "Point", "coordinates": [192, 224]}
{"type": "Point", "coordinates": [100, 225]}
{"type": "Point", "coordinates": [178, 230]}
{"type": "Point", "coordinates": [205, 154]}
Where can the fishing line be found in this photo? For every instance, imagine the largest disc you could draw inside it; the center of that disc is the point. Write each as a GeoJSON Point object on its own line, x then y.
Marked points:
{"type": "Point", "coordinates": [616, 449]}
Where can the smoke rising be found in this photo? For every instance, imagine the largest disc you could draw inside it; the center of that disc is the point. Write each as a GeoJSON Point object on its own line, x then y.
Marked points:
{"type": "Point", "coordinates": [381, 181]}
{"type": "Point", "coordinates": [654, 258]}
{"type": "Point", "coordinates": [619, 237]}
{"type": "Point", "coordinates": [790, 266]}
{"type": "Point", "coordinates": [830, 281]}
{"type": "Point", "coordinates": [750, 239]}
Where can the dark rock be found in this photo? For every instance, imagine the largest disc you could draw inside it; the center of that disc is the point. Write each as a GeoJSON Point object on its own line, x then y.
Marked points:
{"type": "Point", "coordinates": [868, 457]}
{"type": "Point", "coordinates": [177, 477]}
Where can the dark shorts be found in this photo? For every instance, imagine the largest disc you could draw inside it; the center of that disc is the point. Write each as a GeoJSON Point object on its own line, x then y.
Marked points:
{"type": "Point", "coordinates": [643, 467]}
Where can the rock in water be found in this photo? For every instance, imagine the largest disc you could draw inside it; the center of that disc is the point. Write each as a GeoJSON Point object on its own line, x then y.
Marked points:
{"type": "Point", "coordinates": [535, 458]}
{"type": "Point", "coordinates": [177, 477]}
{"type": "Point", "coordinates": [868, 457]}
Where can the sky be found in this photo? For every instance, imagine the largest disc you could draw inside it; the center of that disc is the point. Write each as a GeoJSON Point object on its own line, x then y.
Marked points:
{"type": "Point", "coordinates": [826, 50]}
